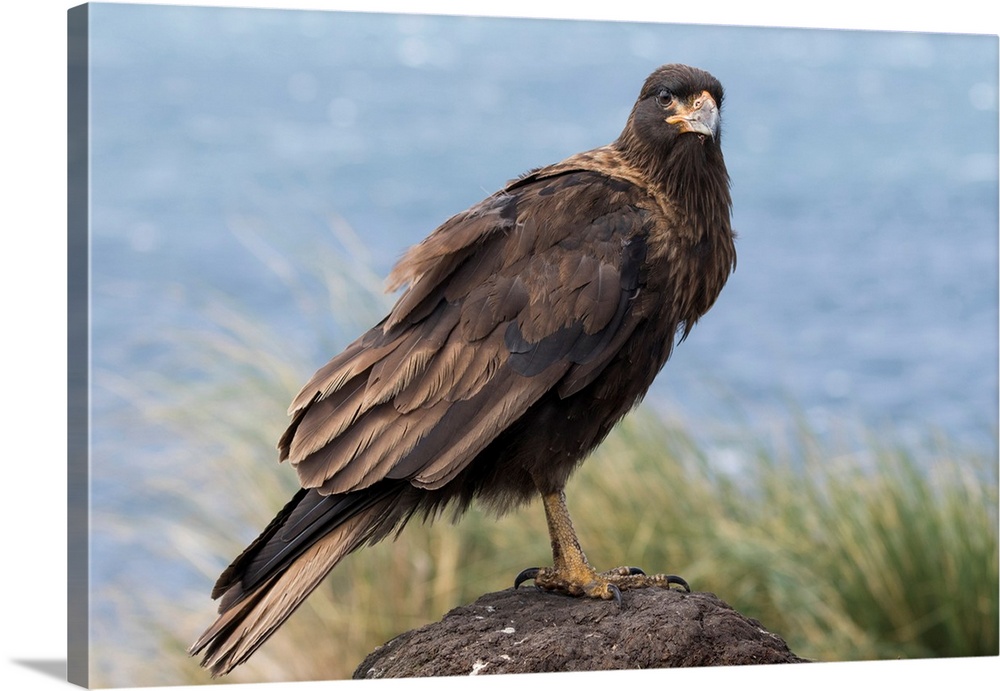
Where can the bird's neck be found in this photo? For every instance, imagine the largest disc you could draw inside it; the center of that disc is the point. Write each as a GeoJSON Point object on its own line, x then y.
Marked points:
{"type": "Point", "coordinates": [694, 178]}
{"type": "Point", "coordinates": [690, 179]}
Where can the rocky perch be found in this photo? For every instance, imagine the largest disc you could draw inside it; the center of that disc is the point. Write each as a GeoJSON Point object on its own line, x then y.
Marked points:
{"type": "Point", "coordinates": [527, 630]}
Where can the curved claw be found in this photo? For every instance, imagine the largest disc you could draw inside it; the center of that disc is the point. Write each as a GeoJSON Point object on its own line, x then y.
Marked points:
{"type": "Point", "coordinates": [528, 575]}
{"type": "Point", "coordinates": [679, 581]}
{"type": "Point", "coordinates": [636, 571]}
{"type": "Point", "coordinates": [616, 593]}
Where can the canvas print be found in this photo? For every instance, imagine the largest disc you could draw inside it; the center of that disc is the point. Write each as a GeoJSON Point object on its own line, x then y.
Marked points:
{"type": "Point", "coordinates": [368, 314]}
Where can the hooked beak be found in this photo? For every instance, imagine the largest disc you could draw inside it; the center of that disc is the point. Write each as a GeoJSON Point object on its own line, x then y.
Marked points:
{"type": "Point", "coordinates": [700, 115]}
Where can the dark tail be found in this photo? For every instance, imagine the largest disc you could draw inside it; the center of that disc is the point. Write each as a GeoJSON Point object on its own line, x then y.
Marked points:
{"type": "Point", "coordinates": [272, 576]}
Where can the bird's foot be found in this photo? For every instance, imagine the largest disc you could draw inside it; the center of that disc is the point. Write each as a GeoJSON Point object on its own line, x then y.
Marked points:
{"type": "Point", "coordinates": [589, 583]}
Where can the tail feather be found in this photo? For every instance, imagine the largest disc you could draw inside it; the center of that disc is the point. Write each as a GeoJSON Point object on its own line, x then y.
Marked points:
{"type": "Point", "coordinates": [272, 577]}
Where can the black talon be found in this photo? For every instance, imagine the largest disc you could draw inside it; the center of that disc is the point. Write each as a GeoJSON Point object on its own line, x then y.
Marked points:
{"type": "Point", "coordinates": [679, 581]}
{"type": "Point", "coordinates": [635, 571]}
{"type": "Point", "coordinates": [528, 575]}
{"type": "Point", "coordinates": [616, 593]}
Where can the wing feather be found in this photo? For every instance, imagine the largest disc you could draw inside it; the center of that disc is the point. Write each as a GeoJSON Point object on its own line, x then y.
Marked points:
{"type": "Point", "coordinates": [501, 309]}
{"type": "Point", "coordinates": [598, 299]}
{"type": "Point", "coordinates": [398, 369]}
{"type": "Point", "coordinates": [325, 419]}
{"type": "Point", "coordinates": [481, 427]}
{"type": "Point", "coordinates": [438, 378]}
{"type": "Point", "coordinates": [355, 359]}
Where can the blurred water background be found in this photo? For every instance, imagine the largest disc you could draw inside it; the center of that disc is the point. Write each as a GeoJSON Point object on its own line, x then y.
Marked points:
{"type": "Point", "coordinates": [226, 143]}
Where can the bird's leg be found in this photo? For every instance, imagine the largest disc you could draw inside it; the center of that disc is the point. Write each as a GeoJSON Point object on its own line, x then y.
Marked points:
{"type": "Point", "coordinates": [572, 574]}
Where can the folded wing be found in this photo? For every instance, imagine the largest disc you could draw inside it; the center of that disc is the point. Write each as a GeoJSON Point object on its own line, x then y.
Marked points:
{"type": "Point", "coordinates": [501, 308]}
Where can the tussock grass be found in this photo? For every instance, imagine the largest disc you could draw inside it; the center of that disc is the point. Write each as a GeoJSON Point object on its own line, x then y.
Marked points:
{"type": "Point", "coordinates": [890, 553]}
{"type": "Point", "coordinates": [882, 555]}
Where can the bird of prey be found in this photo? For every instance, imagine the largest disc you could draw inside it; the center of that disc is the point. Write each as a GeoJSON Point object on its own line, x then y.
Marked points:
{"type": "Point", "coordinates": [531, 323]}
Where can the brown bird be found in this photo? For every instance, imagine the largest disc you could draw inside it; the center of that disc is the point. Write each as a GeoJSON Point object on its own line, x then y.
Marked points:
{"type": "Point", "coordinates": [531, 323]}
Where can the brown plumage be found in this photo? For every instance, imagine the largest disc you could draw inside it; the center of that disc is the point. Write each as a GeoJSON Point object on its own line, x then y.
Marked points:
{"type": "Point", "coordinates": [531, 323]}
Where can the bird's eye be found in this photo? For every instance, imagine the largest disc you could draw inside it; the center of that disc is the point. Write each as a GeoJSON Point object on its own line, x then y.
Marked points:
{"type": "Point", "coordinates": [664, 98]}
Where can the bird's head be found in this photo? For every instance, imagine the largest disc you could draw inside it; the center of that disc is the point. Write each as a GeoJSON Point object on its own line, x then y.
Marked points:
{"type": "Point", "coordinates": [676, 101]}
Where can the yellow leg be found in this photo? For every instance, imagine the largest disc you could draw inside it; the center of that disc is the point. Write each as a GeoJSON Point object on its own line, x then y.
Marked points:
{"type": "Point", "coordinates": [572, 574]}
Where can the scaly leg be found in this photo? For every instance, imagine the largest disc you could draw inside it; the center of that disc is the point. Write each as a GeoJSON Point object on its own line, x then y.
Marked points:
{"type": "Point", "coordinates": [572, 574]}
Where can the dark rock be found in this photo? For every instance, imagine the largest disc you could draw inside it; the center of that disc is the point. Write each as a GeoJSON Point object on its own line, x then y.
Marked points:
{"type": "Point", "coordinates": [527, 630]}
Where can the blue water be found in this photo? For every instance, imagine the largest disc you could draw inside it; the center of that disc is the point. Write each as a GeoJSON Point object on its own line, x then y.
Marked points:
{"type": "Point", "coordinates": [864, 169]}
